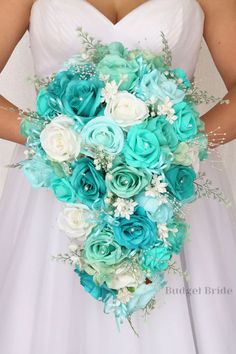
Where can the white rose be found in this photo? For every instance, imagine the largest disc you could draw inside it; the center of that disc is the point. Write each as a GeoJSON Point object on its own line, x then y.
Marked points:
{"type": "Point", "coordinates": [194, 156]}
{"type": "Point", "coordinates": [76, 221]}
{"type": "Point", "coordinates": [125, 277]}
{"type": "Point", "coordinates": [126, 109]}
{"type": "Point", "coordinates": [59, 140]}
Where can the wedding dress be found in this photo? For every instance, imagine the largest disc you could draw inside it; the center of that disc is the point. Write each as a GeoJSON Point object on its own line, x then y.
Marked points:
{"type": "Point", "coordinates": [43, 308]}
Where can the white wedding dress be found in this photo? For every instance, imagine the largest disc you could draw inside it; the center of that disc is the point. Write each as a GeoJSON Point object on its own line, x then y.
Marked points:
{"type": "Point", "coordinates": [43, 308]}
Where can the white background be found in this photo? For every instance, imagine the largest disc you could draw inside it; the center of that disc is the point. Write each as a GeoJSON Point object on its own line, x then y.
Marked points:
{"type": "Point", "coordinates": [15, 87]}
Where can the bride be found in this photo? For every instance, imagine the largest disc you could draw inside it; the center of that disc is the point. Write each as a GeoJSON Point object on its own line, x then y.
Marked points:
{"type": "Point", "coordinates": [43, 308]}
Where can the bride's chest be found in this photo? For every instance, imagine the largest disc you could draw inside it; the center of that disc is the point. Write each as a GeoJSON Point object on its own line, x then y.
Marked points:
{"type": "Point", "coordinates": [54, 37]}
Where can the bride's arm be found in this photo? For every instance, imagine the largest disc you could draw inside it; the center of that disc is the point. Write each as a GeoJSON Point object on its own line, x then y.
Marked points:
{"type": "Point", "coordinates": [14, 21]}
{"type": "Point", "coordinates": [220, 36]}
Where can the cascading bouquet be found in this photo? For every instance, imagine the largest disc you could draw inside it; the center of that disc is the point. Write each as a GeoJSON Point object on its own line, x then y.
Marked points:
{"type": "Point", "coordinates": [117, 138]}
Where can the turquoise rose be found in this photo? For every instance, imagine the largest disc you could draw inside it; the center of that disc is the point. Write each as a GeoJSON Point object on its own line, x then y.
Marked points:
{"type": "Point", "coordinates": [137, 232]}
{"type": "Point", "coordinates": [102, 132]}
{"type": "Point", "coordinates": [63, 190]}
{"type": "Point", "coordinates": [142, 148]}
{"type": "Point", "coordinates": [100, 293]}
{"type": "Point", "coordinates": [57, 87]}
{"type": "Point", "coordinates": [176, 239]}
{"type": "Point", "coordinates": [82, 99]}
{"type": "Point", "coordinates": [101, 248]}
{"type": "Point", "coordinates": [186, 123]}
{"type": "Point", "coordinates": [144, 294]}
{"type": "Point", "coordinates": [180, 181]}
{"type": "Point", "coordinates": [155, 260]}
{"type": "Point", "coordinates": [38, 172]}
{"type": "Point", "coordinates": [155, 209]}
{"type": "Point", "coordinates": [126, 181]}
{"type": "Point", "coordinates": [47, 104]}
{"type": "Point", "coordinates": [117, 67]}
{"type": "Point", "coordinates": [164, 132]}
{"type": "Point", "coordinates": [88, 183]}
{"type": "Point", "coordinates": [181, 74]}
{"type": "Point", "coordinates": [49, 101]}
{"type": "Point", "coordinates": [155, 84]}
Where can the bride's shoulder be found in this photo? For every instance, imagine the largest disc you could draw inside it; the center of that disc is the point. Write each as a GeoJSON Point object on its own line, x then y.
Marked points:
{"type": "Point", "coordinates": [217, 5]}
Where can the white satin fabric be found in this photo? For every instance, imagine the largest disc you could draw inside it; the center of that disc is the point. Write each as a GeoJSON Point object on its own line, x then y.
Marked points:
{"type": "Point", "coordinates": [43, 309]}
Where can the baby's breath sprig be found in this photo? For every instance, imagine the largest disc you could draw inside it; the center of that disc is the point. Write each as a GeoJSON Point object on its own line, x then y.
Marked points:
{"type": "Point", "coordinates": [102, 160]}
{"type": "Point", "coordinates": [149, 308]}
{"type": "Point", "coordinates": [89, 43]}
{"type": "Point", "coordinates": [39, 82]}
{"type": "Point", "coordinates": [199, 96]}
{"type": "Point", "coordinates": [176, 270]}
{"type": "Point", "coordinates": [167, 54]}
{"type": "Point", "coordinates": [204, 188]}
{"type": "Point", "coordinates": [72, 257]}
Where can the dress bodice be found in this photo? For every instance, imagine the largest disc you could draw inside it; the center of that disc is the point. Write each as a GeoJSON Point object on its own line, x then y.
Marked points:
{"type": "Point", "coordinates": [54, 38]}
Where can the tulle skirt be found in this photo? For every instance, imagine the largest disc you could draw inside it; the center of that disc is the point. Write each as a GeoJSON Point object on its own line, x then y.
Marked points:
{"type": "Point", "coordinates": [44, 309]}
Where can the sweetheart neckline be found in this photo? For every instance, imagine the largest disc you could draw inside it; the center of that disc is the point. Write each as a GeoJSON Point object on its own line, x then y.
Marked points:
{"type": "Point", "coordinates": [129, 14]}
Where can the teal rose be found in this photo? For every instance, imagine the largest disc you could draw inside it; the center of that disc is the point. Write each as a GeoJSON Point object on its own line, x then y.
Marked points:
{"type": "Point", "coordinates": [82, 99]}
{"type": "Point", "coordinates": [102, 132]}
{"type": "Point", "coordinates": [101, 248]}
{"type": "Point", "coordinates": [180, 181]}
{"type": "Point", "coordinates": [142, 148]}
{"type": "Point", "coordinates": [116, 68]}
{"type": "Point", "coordinates": [186, 124]}
{"type": "Point", "coordinates": [155, 259]}
{"type": "Point", "coordinates": [127, 181]}
{"type": "Point", "coordinates": [47, 104]}
{"type": "Point", "coordinates": [63, 190]}
{"type": "Point", "coordinates": [137, 232]}
{"type": "Point", "coordinates": [155, 84]}
{"type": "Point", "coordinates": [57, 87]}
{"type": "Point", "coordinates": [98, 292]}
{"type": "Point", "coordinates": [164, 132]}
{"type": "Point", "coordinates": [88, 183]}
{"type": "Point", "coordinates": [49, 101]}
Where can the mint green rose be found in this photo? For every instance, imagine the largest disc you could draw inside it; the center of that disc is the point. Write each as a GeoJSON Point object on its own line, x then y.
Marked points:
{"type": "Point", "coordinates": [180, 181]}
{"type": "Point", "coordinates": [182, 155]}
{"type": "Point", "coordinates": [116, 67]}
{"type": "Point", "coordinates": [63, 190]}
{"type": "Point", "coordinates": [117, 48]}
{"type": "Point", "coordinates": [101, 248]}
{"type": "Point", "coordinates": [150, 58]}
{"type": "Point", "coordinates": [176, 239]}
{"type": "Point", "coordinates": [142, 148]}
{"type": "Point", "coordinates": [127, 181]}
{"type": "Point", "coordinates": [186, 124]}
